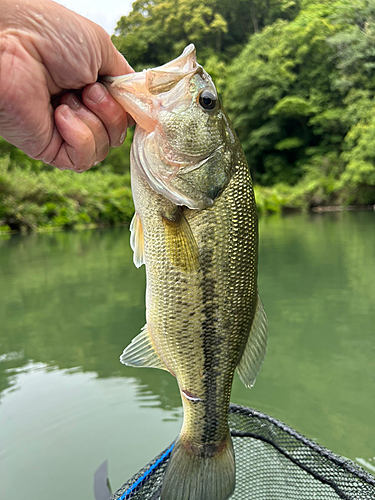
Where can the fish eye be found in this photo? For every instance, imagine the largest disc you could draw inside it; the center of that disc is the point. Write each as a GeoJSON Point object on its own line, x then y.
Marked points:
{"type": "Point", "coordinates": [207, 100]}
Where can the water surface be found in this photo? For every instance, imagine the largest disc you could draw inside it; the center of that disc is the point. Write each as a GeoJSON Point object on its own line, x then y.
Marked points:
{"type": "Point", "coordinates": [70, 303]}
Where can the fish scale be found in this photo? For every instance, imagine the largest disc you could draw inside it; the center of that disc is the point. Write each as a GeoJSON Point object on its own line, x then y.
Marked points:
{"type": "Point", "coordinates": [218, 305]}
{"type": "Point", "coordinates": [196, 230]}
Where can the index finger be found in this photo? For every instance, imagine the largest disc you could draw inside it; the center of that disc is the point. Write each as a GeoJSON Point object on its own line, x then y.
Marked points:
{"type": "Point", "coordinates": [97, 98]}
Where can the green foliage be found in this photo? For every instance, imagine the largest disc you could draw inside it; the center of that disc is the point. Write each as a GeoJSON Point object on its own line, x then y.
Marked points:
{"type": "Point", "coordinates": [284, 75]}
{"type": "Point", "coordinates": [34, 195]}
{"type": "Point", "coordinates": [297, 78]}
{"type": "Point", "coordinates": [301, 96]}
{"type": "Point", "coordinates": [117, 160]}
{"type": "Point", "coordinates": [354, 43]}
{"type": "Point", "coordinates": [273, 199]}
{"type": "Point", "coordinates": [156, 31]}
{"type": "Point", "coordinates": [50, 200]}
{"type": "Point", "coordinates": [18, 159]}
{"type": "Point", "coordinates": [358, 179]}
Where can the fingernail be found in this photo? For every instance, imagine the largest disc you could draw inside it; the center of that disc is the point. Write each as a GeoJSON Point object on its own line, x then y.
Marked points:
{"type": "Point", "coordinates": [73, 102]}
{"type": "Point", "coordinates": [66, 112]}
{"type": "Point", "coordinates": [96, 93]}
{"type": "Point", "coordinates": [121, 140]}
{"type": "Point", "coordinates": [123, 136]}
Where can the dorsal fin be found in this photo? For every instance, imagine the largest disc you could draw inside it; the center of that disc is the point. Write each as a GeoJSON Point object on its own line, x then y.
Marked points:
{"type": "Point", "coordinates": [141, 352]}
{"type": "Point", "coordinates": [255, 350]}
{"type": "Point", "coordinates": [137, 240]}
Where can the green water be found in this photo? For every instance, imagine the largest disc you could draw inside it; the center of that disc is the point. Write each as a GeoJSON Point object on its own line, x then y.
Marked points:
{"type": "Point", "coordinates": [70, 302]}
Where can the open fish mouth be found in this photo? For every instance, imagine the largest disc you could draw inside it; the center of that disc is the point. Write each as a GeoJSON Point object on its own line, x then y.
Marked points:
{"type": "Point", "coordinates": [138, 90]}
{"type": "Point", "coordinates": [164, 77]}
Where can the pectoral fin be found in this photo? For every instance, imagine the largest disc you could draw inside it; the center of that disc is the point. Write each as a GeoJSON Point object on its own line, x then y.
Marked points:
{"type": "Point", "coordinates": [141, 352]}
{"type": "Point", "coordinates": [181, 246]}
{"type": "Point", "coordinates": [137, 241]}
{"type": "Point", "coordinates": [255, 350]}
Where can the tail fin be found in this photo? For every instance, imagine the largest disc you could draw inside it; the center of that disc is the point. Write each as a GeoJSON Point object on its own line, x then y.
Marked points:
{"type": "Point", "coordinates": [195, 477]}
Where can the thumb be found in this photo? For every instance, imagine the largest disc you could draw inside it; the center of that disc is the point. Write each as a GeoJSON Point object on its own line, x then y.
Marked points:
{"type": "Point", "coordinates": [113, 63]}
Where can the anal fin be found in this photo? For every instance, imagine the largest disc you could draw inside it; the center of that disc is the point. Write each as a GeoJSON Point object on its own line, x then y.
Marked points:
{"type": "Point", "coordinates": [141, 352]}
{"type": "Point", "coordinates": [137, 240]}
{"type": "Point", "coordinates": [255, 350]}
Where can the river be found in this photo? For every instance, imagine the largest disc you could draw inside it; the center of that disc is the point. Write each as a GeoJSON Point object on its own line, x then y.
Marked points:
{"type": "Point", "coordinates": [71, 301]}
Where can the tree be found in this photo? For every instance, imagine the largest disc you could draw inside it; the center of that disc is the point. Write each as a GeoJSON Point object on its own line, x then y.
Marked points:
{"type": "Point", "coordinates": [278, 86]}
{"type": "Point", "coordinates": [299, 87]}
{"type": "Point", "coordinates": [155, 32]}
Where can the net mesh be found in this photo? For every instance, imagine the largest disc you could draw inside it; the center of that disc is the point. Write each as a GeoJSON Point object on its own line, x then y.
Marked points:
{"type": "Point", "coordinates": [273, 462]}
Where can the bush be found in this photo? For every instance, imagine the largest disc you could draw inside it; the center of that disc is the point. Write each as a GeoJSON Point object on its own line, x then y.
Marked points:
{"type": "Point", "coordinates": [32, 200]}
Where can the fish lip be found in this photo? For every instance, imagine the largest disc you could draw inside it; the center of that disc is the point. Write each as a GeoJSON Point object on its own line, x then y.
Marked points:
{"type": "Point", "coordinates": [174, 67]}
{"type": "Point", "coordinates": [111, 79]}
{"type": "Point", "coordinates": [130, 92]}
{"type": "Point", "coordinates": [135, 91]}
{"type": "Point", "coordinates": [107, 81]}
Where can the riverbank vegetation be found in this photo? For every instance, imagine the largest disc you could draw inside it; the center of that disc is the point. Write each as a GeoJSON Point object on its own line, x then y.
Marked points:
{"type": "Point", "coordinates": [297, 78]}
{"type": "Point", "coordinates": [37, 197]}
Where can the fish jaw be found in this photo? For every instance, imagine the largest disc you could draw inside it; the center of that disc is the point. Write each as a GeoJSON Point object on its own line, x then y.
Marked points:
{"type": "Point", "coordinates": [131, 92]}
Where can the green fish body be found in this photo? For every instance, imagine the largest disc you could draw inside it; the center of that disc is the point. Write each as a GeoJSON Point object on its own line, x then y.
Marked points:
{"type": "Point", "coordinates": [195, 229]}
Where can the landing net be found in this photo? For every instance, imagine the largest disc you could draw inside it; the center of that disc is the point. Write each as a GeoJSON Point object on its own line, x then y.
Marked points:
{"type": "Point", "coordinates": [273, 462]}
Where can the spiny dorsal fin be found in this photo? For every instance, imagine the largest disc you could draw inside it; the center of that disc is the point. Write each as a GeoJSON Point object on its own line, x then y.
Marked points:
{"type": "Point", "coordinates": [182, 249]}
{"type": "Point", "coordinates": [141, 352]}
{"type": "Point", "coordinates": [255, 350]}
{"type": "Point", "coordinates": [137, 241]}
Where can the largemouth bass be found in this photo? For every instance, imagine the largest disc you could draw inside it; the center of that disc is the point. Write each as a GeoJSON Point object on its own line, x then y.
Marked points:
{"type": "Point", "coordinates": [195, 228]}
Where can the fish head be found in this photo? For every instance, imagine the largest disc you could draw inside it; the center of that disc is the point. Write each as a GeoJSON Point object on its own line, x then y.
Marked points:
{"type": "Point", "coordinates": [184, 143]}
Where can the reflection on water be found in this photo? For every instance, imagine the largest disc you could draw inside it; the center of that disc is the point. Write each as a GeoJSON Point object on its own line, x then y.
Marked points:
{"type": "Point", "coordinates": [70, 303]}
{"type": "Point", "coordinates": [58, 426]}
{"type": "Point", "coordinates": [73, 300]}
{"type": "Point", "coordinates": [367, 463]}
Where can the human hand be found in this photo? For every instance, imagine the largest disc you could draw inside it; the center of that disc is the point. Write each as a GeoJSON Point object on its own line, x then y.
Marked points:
{"type": "Point", "coordinates": [46, 51]}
